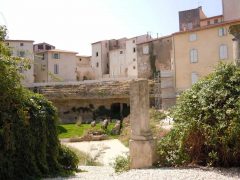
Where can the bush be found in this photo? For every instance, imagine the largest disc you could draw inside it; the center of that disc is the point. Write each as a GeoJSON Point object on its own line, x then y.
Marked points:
{"type": "Point", "coordinates": [121, 164]}
{"type": "Point", "coordinates": [68, 159]}
{"type": "Point", "coordinates": [207, 124]}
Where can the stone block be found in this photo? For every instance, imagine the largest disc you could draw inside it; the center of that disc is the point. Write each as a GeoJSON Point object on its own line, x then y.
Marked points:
{"type": "Point", "coordinates": [142, 153]}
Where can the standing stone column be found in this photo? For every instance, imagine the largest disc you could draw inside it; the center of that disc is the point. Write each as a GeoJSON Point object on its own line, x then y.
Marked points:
{"type": "Point", "coordinates": [235, 31]}
{"type": "Point", "coordinates": [142, 146]}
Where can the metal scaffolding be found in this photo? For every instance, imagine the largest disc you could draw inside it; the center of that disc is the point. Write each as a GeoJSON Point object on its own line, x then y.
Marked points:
{"type": "Point", "coordinates": [157, 90]}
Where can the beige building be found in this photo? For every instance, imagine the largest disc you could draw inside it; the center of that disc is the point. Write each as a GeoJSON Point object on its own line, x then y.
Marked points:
{"type": "Point", "coordinates": [24, 49]}
{"type": "Point", "coordinates": [198, 50]}
{"type": "Point", "coordinates": [55, 65]}
{"type": "Point", "coordinates": [84, 68]}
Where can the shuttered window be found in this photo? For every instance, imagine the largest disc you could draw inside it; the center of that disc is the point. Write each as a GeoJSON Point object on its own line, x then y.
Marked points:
{"type": "Point", "coordinates": [194, 77]}
{"type": "Point", "coordinates": [193, 55]}
{"type": "Point", "coordinates": [223, 52]}
{"type": "Point", "coordinates": [56, 69]}
{"type": "Point", "coordinates": [222, 32]}
{"type": "Point", "coordinates": [193, 37]}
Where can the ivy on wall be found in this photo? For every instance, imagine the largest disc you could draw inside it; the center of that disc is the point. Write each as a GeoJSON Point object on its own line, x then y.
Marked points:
{"type": "Point", "coordinates": [152, 59]}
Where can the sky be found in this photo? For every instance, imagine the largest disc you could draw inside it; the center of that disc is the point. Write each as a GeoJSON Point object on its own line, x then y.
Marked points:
{"type": "Point", "coordinates": [75, 24]}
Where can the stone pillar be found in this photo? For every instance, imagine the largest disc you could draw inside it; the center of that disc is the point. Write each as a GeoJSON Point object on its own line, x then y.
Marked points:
{"type": "Point", "coordinates": [142, 146]}
{"type": "Point", "coordinates": [236, 50]}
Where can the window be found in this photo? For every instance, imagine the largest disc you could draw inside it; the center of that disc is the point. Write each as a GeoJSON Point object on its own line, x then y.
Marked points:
{"type": "Point", "coordinates": [145, 49]}
{"type": "Point", "coordinates": [40, 46]}
{"type": "Point", "coordinates": [121, 52]}
{"type": "Point", "coordinates": [215, 21]}
{"type": "Point", "coordinates": [48, 47]}
{"type": "Point", "coordinates": [96, 54]}
{"type": "Point", "coordinates": [194, 77]}
{"type": "Point", "coordinates": [223, 52]}
{"type": "Point", "coordinates": [106, 45]}
{"type": "Point", "coordinates": [43, 56]}
{"type": "Point", "coordinates": [7, 44]}
{"type": "Point", "coordinates": [222, 32]}
{"type": "Point", "coordinates": [80, 59]}
{"type": "Point", "coordinates": [208, 22]}
{"type": "Point", "coordinates": [56, 69]}
{"type": "Point", "coordinates": [193, 37]}
{"type": "Point", "coordinates": [56, 56]}
{"type": "Point", "coordinates": [134, 50]}
{"type": "Point", "coordinates": [21, 44]}
{"type": "Point", "coordinates": [134, 67]}
{"type": "Point", "coordinates": [189, 25]}
{"type": "Point", "coordinates": [133, 41]}
{"type": "Point", "coordinates": [97, 64]}
{"type": "Point", "coordinates": [194, 55]}
{"type": "Point", "coordinates": [134, 59]}
{"type": "Point", "coordinates": [21, 53]}
{"type": "Point", "coordinates": [43, 67]}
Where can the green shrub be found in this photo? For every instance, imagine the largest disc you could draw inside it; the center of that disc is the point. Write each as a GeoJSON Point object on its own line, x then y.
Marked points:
{"type": "Point", "coordinates": [68, 159]}
{"type": "Point", "coordinates": [121, 164]}
{"type": "Point", "coordinates": [156, 115]}
{"type": "Point", "coordinates": [207, 124]}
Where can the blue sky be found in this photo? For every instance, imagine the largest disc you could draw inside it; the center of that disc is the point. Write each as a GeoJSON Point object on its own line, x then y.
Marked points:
{"type": "Point", "coordinates": [75, 24]}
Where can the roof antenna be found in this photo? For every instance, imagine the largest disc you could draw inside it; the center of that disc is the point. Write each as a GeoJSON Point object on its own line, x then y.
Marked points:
{"type": "Point", "coordinates": [199, 3]}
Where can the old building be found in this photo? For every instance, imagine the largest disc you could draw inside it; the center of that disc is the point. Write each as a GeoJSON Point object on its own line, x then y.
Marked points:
{"type": "Point", "coordinates": [24, 49]}
{"type": "Point", "coordinates": [41, 47]}
{"type": "Point", "coordinates": [197, 50]}
{"type": "Point", "coordinates": [55, 65]}
{"type": "Point", "coordinates": [132, 54]}
{"type": "Point", "coordinates": [155, 60]}
{"type": "Point", "coordinates": [116, 58]}
{"type": "Point", "coordinates": [100, 59]}
{"type": "Point", "coordinates": [84, 69]}
{"type": "Point", "coordinates": [154, 55]}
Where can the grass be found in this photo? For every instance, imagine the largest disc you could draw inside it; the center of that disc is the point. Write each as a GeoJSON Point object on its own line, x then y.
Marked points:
{"type": "Point", "coordinates": [73, 130]}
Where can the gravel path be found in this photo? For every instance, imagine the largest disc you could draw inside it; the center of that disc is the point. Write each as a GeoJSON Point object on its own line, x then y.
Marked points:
{"type": "Point", "coordinates": [107, 173]}
{"type": "Point", "coordinates": [104, 152]}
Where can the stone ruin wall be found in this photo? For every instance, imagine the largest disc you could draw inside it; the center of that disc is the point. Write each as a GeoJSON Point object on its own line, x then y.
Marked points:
{"type": "Point", "coordinates": [92, 100]}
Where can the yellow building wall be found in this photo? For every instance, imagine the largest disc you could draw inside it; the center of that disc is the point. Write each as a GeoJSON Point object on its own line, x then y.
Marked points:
{"type": "Point", "coordinates": [208, 43]}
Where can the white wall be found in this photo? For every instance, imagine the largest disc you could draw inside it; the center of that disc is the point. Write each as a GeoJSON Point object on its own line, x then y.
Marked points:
{"type": "Point", "coordinates": [118, 66]}
{"type": "Point", "coordinates": [97, 48]}
{"type": "Point", "coordinates": [131, 57]}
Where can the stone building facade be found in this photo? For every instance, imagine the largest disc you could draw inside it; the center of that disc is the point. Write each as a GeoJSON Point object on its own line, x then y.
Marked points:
{"type": "Point", "coordinates": [55, 65]}
{"type": "Point", "coordinates": [84, 69]}
{"type": "Point", "coordinates": [24, 49]}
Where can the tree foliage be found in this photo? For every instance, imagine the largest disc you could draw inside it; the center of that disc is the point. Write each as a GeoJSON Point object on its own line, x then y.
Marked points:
{"type": "Point", "coordinates": [207, 122]}
{"type": "Point", "coordinates": [29, 146]}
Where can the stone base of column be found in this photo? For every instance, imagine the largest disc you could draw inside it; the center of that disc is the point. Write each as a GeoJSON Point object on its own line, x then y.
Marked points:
{"type": "Point", "coordinates": [142, 153]}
